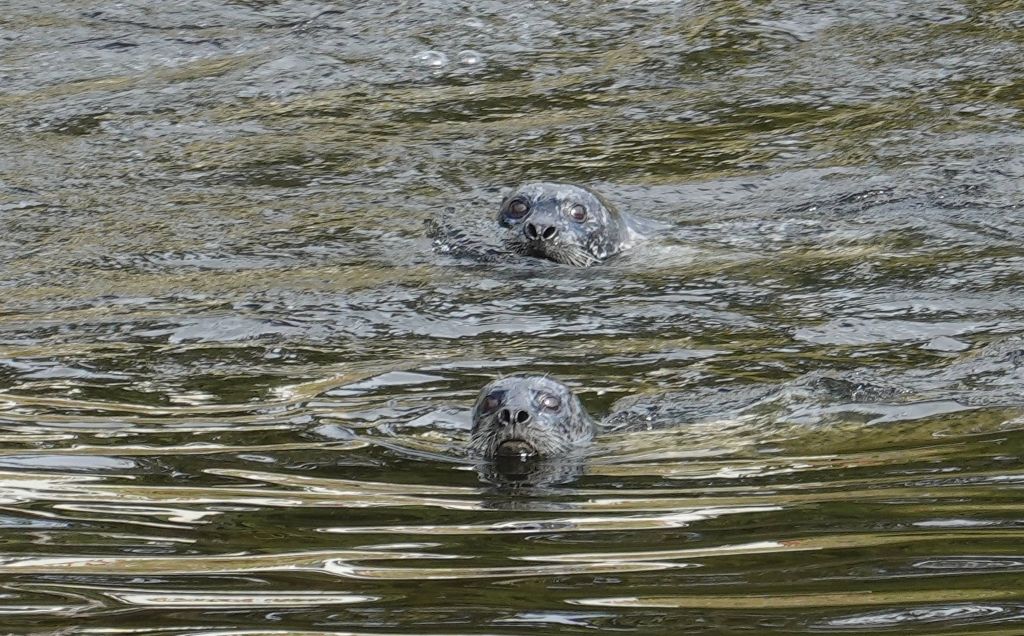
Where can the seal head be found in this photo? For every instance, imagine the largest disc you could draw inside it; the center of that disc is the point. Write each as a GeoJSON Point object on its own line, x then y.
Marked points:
{"type": "Point", "coordinates": [529, 416]}
{"type": "Point", "coordinates": [564, 223]}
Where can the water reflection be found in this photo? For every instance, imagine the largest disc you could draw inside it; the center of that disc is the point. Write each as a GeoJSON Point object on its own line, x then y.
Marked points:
{"type": "Point", "coordinates": [516, 472]}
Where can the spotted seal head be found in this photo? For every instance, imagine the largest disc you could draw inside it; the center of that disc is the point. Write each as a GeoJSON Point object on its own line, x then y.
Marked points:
{"type": "Point", "coordinates": [564, 223]}
{"type": "Point", "coordinates": [525, 416]}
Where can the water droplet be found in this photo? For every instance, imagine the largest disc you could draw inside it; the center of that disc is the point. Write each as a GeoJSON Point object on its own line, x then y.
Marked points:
{"type": "Point", "coordinates": [433, 59]}
{"type": "Point", "coordinates": [469, 57]}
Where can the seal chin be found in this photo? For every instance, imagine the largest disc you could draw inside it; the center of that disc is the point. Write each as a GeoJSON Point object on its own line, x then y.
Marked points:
{"type": "Point", "coordinates": [515, 448]}
{"type": "Point", "coordinates": [566, 254]}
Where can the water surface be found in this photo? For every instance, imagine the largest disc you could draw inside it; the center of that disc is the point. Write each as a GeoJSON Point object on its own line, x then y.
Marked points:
{"type": "Point", "coordinates": [235, 375]}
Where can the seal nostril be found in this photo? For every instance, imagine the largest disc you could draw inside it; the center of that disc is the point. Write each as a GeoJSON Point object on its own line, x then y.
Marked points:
{"type": "Point", "coordinates": [535, 232]}
{"type": "Point", "coordinates": [522, 417]}
{"type": "Point", "coordinates": [504, 417]}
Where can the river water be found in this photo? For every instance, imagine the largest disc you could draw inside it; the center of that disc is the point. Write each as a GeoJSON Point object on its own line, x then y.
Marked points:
{"type": "Point", "coordinates": [235, 374]}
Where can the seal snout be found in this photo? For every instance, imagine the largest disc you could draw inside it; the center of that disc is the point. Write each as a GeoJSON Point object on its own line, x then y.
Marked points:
{"type": "Point", "coordinates": [507, 417]}
{"type": "Point", "coordinates": [540, 231]}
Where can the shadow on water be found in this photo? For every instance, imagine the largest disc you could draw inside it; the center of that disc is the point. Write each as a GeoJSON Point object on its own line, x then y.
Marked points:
{"type": "Point", "coordinates": [235, 373]}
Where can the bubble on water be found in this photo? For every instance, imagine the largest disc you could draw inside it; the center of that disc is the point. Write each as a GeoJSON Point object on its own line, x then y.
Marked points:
{"type": "Point", "coordinates": [469, 57]}
{"type": "Point", "coordinates": [475, 23]}
{"type": "Point", "coordinates": [433, 59]}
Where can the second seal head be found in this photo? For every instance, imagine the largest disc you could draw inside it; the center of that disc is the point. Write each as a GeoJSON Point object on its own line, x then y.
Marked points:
{"type": "Point", "coordinates": [565, 223]}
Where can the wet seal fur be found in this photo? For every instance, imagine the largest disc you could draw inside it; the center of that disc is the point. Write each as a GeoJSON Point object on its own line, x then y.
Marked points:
{"type": "Point", "coordinates": [524, 417]}
{"type": "Point", "coordinates": [565, 223]}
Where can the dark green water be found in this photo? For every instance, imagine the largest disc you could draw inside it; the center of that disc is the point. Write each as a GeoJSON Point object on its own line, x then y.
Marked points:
{"type": "Point", "coordinates": [235, 377]}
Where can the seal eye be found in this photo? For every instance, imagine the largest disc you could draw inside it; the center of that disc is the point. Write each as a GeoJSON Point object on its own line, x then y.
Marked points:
{"type": "Point", "coordinates": [491, 402]}
{"type": "Point", "coordinates": [517, 209]}
{"type": "Point", "coordinates": [550, 402]}
{"type": "Point", "coordinates": [578, 213]}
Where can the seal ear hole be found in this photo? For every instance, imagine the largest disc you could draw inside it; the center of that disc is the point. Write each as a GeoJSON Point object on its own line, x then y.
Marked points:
{"type": "Point", "coordinates": [517, 209]}
{"type": "Point", "coordinates": [550, 402]}
{"type": "Point", "coordinates": [578, 213]}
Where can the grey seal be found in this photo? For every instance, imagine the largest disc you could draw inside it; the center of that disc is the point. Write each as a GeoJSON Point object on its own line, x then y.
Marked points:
{"type": "Point", "coordinates": [529, 416]}
{"type": "Point", "coordinates": [565, 223]}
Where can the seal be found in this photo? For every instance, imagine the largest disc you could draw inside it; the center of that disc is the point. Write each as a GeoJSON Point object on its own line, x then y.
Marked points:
{"type": "Point", "coordinates": [529, 416]}
{"type": "Point", "coordinates": [565, 223]}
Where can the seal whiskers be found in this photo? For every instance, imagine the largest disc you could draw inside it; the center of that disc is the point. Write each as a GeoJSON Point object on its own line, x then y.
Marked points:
{"type": "Point", "coordinates": [567, 254]}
